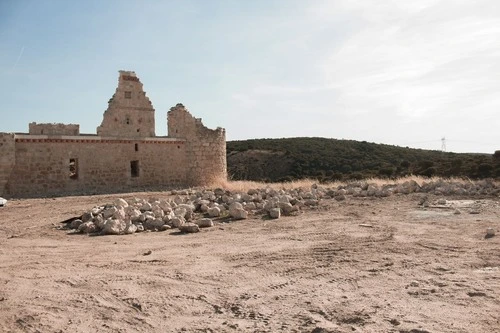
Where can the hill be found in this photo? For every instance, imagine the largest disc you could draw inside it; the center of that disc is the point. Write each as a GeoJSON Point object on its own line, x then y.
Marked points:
{"type": "Point", "coordinates": [331, 159]}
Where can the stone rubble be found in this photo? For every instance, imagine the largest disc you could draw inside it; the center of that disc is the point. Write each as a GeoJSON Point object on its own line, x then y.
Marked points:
{"type": "Point", "coordinates": [190, 210]}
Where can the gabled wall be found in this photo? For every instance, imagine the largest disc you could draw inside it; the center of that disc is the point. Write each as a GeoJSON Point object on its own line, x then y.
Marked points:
{"type": "Point", "coordinates": [130, 112]}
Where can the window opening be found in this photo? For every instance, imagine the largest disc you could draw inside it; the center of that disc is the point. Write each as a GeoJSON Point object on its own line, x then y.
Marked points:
{"type": "Point", "coordinates": [138, 130]}
{"type": "Point", "coordinates": [128, 121]}
{"type": "Point", "coordinates": [134, 168]}
{"type": "Point", "coordinates": [128, 94]}
{"type": "Point", "coordinates": [136, 147]}
{"type": "Point", "coordinates": [73, 168]}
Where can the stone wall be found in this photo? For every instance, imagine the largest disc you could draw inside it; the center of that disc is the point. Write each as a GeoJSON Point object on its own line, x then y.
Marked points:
{"type": "Point", "coordinates": [130, 112]}
{"type": "Point", "coordinates": [54, 129]}
{"type": "Point", "coordinates": [53, 159]}
{"type": "Point", "coordinates": [7, 160]}
{"type": "Point", "coordinates": [47, 167]}
{"type": "Point", "coordinates": [205, 148]}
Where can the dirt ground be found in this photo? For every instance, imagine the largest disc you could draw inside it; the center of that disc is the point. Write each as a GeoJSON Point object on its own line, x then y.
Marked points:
{"type": "Point", "coordinates": [360, 265]}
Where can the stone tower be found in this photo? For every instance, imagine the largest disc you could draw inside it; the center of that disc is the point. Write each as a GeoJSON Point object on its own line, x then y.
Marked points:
{"type": "Point", "coordinates": [205, 148]}
{"type": "Point", "coordinates": [130, 112]}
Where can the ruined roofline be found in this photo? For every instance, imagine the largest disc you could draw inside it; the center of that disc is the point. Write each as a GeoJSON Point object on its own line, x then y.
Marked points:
{"type": "Point", "coordinates": [93, 137]}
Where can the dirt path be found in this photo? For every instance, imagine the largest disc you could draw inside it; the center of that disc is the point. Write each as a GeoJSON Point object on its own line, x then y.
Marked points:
{"type": "Point", "coordinates": [361, 265]}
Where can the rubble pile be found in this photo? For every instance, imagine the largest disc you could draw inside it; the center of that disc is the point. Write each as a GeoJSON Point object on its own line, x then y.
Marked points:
{"type": "Point", "coordinates": [190, 210]}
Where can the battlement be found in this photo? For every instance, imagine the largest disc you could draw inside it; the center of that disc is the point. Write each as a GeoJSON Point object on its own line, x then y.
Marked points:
{"type": "Point", "coordinates": [54, 129]}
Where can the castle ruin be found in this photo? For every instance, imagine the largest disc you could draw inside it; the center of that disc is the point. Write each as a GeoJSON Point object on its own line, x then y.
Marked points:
{"type": "Point", "coordinates": [124, 155]}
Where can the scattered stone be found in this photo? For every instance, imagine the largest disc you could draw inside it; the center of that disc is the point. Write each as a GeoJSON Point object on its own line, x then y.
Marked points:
{"type": "Point", "coordinates": [75, 224]}
{"type": "Point", "coordinates": [147, 253]}
{"type": "Point", "coordinates": [155, 214]}
{"type": "Point", "coordinates": [165, 227]}
{"type": "Point", "coordinates": [176, 222]}
{"type": "Point", "coordinates": [189, 228]}
{"type": "Point", "coordinates": [153, 224]}
{"type": "Point", "coordinates": [87, 227]}
{"type": "Point", "coordinates": [204, 223]}
{"type": "Point", "coordinates": [113, 227]}
{"type": "Point", "coordinates": [87, 216]}
{"type": "Point", "coordinates": [275, 213]}
{"type": "Point", "coordinates": [130, 229]}
{"type": "Point", "coordinates": [340, 197]}
{"type": "Point", "coordinates": [214, 211]}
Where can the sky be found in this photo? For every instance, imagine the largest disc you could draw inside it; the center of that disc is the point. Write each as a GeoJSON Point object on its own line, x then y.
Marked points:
{"type": "Point", "coordinates": [399, 72]}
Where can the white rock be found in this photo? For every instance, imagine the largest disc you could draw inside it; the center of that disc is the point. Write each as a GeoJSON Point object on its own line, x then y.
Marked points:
{"type": "Point", "coordinates": [109, 212]}
{"type": "Point", "coordinates": [113, 227]}
{"type": "Point", "coordinates": [153, 224]}
{"type": "Point", "coordinates": [87, 217]}
{"type": "Point", "coordinates": [238, 213]}
{"type": "Point", "coordinates": [87, 227]}
{"type": "Point", "coordinates": [130, 229]}
{"type": "Point", "coordinates": [3, 202]}
{"type": "Point", "coordinates": [176, 222]}
{"type": "Point", "coordinates": [189, 228]}
{"type": "Point", "coordinates": [286, 207]}
{"type": "Point", "coordinates": [214, 212]}
{"type": "Point", "coordinates": [204, 223]}
{"type": "Point", "coordinates": [250, 206]}
{"type": "Point", "coordinates": [134, 214]}
{"type": "Point", "coordinates": [146, 207]}
{"type": "Point", "coordinates": [119, 214]}
{"type": "Point", "coordinates": [99, 221]}
{"type": "Point", "coordinates": [121, 202]}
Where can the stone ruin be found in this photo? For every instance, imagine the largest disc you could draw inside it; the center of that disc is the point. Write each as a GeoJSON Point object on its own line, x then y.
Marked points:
{"type": "Point", "coordinates": [125, 155]}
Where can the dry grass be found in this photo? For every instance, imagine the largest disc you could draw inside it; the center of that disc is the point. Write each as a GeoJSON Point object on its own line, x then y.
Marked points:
{"type": "Point", "coordinates": [245, 185]}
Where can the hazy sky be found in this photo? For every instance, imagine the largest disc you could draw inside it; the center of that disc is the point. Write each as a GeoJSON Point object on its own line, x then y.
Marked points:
{"type": "Point", "coordinates": [398, 72]}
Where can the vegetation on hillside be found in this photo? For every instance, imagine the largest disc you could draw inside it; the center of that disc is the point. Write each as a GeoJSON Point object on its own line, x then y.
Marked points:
{"type": "Point", "coordinates": [331, 160]}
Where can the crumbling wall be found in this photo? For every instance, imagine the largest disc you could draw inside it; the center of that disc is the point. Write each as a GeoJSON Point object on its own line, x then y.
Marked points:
{"type": "Point", "coordinates": [205, 148]}
{"type": "Point", "coordinates": [130, 112]}
{"type": "Point", "coordinates": [57, 166]}
{"type": "Point", "coordinates": [7, 161]}
{"type": "Point", "coordinates": [54, 129]}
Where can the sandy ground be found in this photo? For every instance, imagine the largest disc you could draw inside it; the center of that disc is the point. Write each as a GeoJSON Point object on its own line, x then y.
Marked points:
{"type": "Point", "coordinates": [405, 269]}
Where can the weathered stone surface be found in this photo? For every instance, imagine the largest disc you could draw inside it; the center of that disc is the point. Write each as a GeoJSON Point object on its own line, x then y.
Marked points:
{"type": "Point", "coordinates": [109, 212]}
{"type": "Point", "coordinates": [189, 228]}
{"type": "Point", "coordinates": [205, 223]}
{"type": "Point", "coordinates": [153, 224]}
{"type": "Point", "coordinates": [121, 202]}
{"type": "Point", "coordinates": [275, 213]}
{"type": "Point", "coordinates": [130, 229]}
{"type": "Point", "coordinates": [113, 227]}
{"type": "Point", "coordinates": [75, 224]}
{"type": "Point", "coordinates": [214, 212]}
{"type": "Point", "coordinates": [87, 216]}
{"type": "Point", "coordinates": [176, 222]}
{"type": "Point", "coordinates": [87, 227]}
{"type": "Point", "coordinates": [236, 211]}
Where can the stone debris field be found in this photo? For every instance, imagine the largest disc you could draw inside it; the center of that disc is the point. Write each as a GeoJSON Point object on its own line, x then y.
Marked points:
{"type": "Point", "coordinates": [357, 257]}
